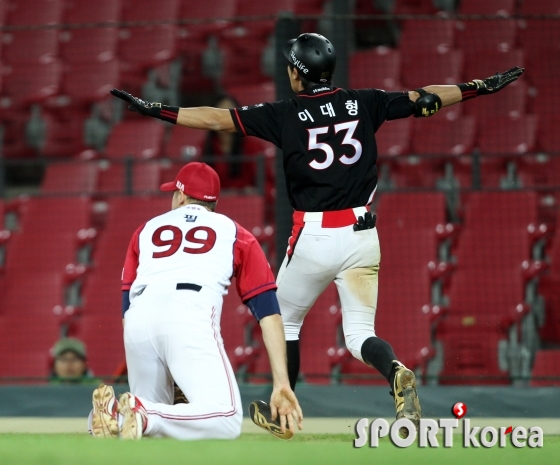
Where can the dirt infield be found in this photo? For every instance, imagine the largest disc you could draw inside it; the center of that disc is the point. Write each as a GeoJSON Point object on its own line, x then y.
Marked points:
{"type": "Point", "coordinates": [311, 425]}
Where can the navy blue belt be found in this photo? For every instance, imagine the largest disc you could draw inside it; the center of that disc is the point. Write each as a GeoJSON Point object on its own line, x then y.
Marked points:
{"type": "Point", "coordinates": [188, 287]}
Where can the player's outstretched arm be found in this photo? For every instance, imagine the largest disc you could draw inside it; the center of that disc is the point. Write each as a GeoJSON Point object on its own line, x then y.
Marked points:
{"type": "Point", "coordinates": [283, 401]}
{"type": "Point", "coordinates": [211, 119]}
{"type": "Point", "coordinates": [428, 100]}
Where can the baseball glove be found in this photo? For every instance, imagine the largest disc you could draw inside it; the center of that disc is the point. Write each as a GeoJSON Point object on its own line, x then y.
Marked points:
{"type": "Point", "coordinates": [153, 109]}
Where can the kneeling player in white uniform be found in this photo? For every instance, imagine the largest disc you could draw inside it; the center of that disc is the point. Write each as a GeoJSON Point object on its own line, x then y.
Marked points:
{"type": "Point", "coordinates": [177, 269]}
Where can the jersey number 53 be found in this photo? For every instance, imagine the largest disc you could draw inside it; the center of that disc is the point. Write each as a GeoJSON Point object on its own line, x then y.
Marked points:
{"type": "Point", "coordinates": [173, 244]}
{"type": "Point", "coordinates": [350, 128]}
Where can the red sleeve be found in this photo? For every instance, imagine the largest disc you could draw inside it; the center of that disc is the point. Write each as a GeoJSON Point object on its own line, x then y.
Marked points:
{"type": "Point", "coordinates": [250, 266]}
{"type": "Point", "coordinates": [131, 260]}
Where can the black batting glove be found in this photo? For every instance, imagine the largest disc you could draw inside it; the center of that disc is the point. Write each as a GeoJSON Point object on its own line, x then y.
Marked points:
{"type": "Point", "coordinates": [155, 110]}
{"type": "Point", "coordinates": [367, 221]}
{"type": "Point", "coordinates": [491, 84]}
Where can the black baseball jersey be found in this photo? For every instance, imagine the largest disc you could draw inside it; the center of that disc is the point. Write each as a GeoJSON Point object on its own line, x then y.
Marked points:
{"type": "Point", "coordinates": [327, 136]}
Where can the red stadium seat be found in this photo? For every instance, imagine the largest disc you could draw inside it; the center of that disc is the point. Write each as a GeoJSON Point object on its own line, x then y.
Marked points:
{"type": "Point", "coordinates": [40, 46]}
{"type": "Point", "coordinates": [549, 139]}
{"type": "Point", "coordinates": [507, 136]}
{"type": "Point", "coordinates": [100, 11]}
{"type": "Point", "coordinates": [247, 210]}
{"type": "Point", "coordinates": [444, 137]}
{"type": "Point", "coordinates": [85, 83]}
{"type": "Point", "coordinates": [253, 94]}
{"type": "Point", "coordinates": [414, 7]}
{"type": "Point", "coordinates": [512, 103]}
{"type": "Point", "coordinates": [75, 178]}
{"type": "Point", "coordinates": [318, 335]}
{"type": "Point", "coordinates": [487, 7]}
{"type": "Point", "coordinates": [546, 369]}
{"type": "Point", "coordinates": [378, 68]}
{"type": "Point", "coordinates": [427, 36]}
{"type": "Point", "coordinates": [25, 84]}
{"type": "Point", "coordinates": [206, 13]}
{"type": "Point", "coordinates": [485, 63]}
{"type": "Point", "coordinates": [19, 12]}
{"type": "Point", "coordinates": [549, 284]}
{"type": "Point", "coordinates": [146, 47]}
{"type": "Point", "coordinates": [185, 144]}
{"type": "Point", "coordinates": [146, 176]}
{"type": "Point", "coordinates": [486, 35]}
{"type": "Point", "coordinates": [542, 170]}
{"type": "Point", "coordinates": [138, 138]}
{"type": "Point", "coordinates": [407, 231]}
{"type": "Point", "coordinates": [259, 28]}
{"type": "Point", "coordinates": [471, 350]}
{"type": "Point", "coordinates": [539, 71]}
{"type": "Point", "coordinates": [499, 220]}
{"type": "Point", "coordinates": [393, 137]}
{"type": "Point", "coordinates": [56, 221]}
{"type": "Point", "coordinates": [538, 33]}
{"type": "Point", "coordinates": [89, 45]}
{"type": "Point", "coordinates": [28, 327]}
{"type": "Point", "coordinates": [437, 68]}
{"type": "Point", "coordinates": [234, 329]}
{"type": "Point", "coordinates": [242, 65]}
{"type": "Point", "coordinates": [542, 7]}
{"type": "Point", "coordinates": [100, 325]}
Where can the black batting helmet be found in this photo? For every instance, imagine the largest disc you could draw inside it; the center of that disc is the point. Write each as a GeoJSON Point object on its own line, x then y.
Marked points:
{"type": "Point", "coordinates": [313, 55]}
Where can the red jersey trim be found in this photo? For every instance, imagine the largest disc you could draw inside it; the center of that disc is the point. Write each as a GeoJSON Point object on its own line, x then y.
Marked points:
{"type": "Point", "coordinates": [319, 95]}
{"type": "Point", "coordinates": [239, 121]}
{"type": "Point", "coordinates": [258, 290]}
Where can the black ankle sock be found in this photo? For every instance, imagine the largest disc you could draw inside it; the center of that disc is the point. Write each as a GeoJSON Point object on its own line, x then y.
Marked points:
{"type": "Point", "coordinates": [292, 351]}
{"type": "Point", "coordinates": [379, 354]}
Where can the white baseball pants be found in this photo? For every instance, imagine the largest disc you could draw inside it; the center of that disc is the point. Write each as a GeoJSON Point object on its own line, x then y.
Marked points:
{"type": "Point", "coordinates": [323, 255]}
{"type": "Point", "coordinates": [171, 335]}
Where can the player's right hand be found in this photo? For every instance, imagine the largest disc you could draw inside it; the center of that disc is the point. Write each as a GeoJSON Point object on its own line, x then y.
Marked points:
{"type": "Point", "coordinates": [283, 402]}
{"type": "Point", "coordinates": [495, 83]}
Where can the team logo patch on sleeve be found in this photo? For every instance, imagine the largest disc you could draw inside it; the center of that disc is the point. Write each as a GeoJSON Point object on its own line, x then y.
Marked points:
{"type": "Point", "coordinates": [190, 218]}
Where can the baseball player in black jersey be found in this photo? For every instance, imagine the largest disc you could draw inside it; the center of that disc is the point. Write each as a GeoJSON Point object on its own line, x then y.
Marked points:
{"type": "Point", "coordinates": [327, 135]}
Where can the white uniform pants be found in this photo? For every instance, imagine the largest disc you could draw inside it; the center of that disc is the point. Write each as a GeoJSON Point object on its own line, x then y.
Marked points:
{"type": "Point", "coordinates": [322, 255]}
{"type": "Point", "coordinates": [175, 335]}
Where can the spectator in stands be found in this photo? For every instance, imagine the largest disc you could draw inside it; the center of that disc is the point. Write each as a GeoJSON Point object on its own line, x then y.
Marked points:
{"type": "Point", "coordinates": [70, 363]}
{"type": "Point", "coordinates": [234, 174]}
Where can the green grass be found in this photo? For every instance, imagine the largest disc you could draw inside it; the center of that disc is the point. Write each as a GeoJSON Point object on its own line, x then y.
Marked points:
{"type": "Point", "coordinates": [321, 449]}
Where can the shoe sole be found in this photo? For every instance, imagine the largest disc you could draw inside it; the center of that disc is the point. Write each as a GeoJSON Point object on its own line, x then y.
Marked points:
{"type": "Point", "coordinates": [260, 419]}
{"type": "Point", "coordinates": [131, 421]}
{"type": "Point", "coordinates": [103, 424]}
{"type": "Point", "coordinates": [411, 409]}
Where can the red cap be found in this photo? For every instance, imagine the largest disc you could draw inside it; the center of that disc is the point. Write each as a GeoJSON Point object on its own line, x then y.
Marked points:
{"type": "Point", "coordinates": [197, 180]}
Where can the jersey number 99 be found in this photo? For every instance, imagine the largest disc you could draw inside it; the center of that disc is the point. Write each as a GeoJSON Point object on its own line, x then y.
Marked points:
{"type": "Point", "coordinates": [174, 243]}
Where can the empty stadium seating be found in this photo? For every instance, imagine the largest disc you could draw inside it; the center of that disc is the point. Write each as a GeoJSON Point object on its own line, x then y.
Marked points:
{"type": "Point", "coordinates": [487, 7]}
{"type": "Point", "coordinates": [19, 13]}
{"type": "Point", "coordinates": [28, 327]}
{"type": "Point", "coordinates": [35, 46]}
{"type": "Point", "coordinates": [549, 288]}
{"type": "Point", "coordinates": [378, 67]}
{"type": "Point", "coordinates": [185, 143]}
{"type": "Point", "coordinates": [253, 94]}
{"type": "Point", "coordinates": [480, 64]}
{"type": "Point", "coordinates": [112, 177]}
{"type": "Point", "coordinates": [487, 290]}
{"type": "Point", "coordinates": [431, 36]}
{"type": "Point", "coordinates": [407, 232]}
{"type": "Point", "coordinates": [100, 325]}
{"type": "Point", "coordinates": [483, 35]}
{"type": "Point", "coordinates": [543, 7]}
{"type": "Point", "coordinates": [70, 178]}
{"type": "Point", "coordinates": [546, 370]}
{"type": "Point", "coordinates": [138, 138]}
{"type": "Point", "coordinates": [437, 68]}
{"type": "Point", "coordinates": [507, 136]}
{"type": "Point", "coordinates": [393, 137]}
{"type": "Point", "coordinates": [47, 237]}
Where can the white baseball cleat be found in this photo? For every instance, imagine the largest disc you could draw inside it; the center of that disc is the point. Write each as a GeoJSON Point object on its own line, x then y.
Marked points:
{"type": "Point", "coordinates": [104, 419]}
{"type": "Point", "coordinates": [133, 417]}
